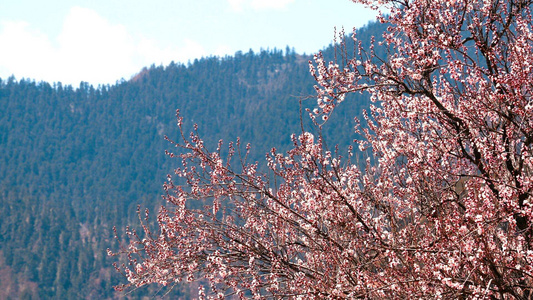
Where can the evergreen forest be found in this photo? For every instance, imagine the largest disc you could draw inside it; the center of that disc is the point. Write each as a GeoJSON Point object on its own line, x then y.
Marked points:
{"type": "Point", "coordinates": [75, 162]}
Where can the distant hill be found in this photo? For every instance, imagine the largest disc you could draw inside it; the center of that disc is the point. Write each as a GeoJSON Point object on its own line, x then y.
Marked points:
{"type": "Point", "coordinates": [76, 162]}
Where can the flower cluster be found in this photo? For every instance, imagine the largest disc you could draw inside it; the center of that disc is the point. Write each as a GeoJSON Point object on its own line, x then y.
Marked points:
{"type": "Point", "coordinates": [443, 210]}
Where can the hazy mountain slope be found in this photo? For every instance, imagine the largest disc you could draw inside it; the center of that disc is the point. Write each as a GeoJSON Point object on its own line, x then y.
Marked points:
{"type": "Point", "coordinates": [75, 162]}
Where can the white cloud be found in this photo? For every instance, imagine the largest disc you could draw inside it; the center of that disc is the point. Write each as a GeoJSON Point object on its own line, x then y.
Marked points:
{"type": "Point", "coordinates": [92, 49]}
{"type": "Point", "coordinates": [240, 5]}
{"type": "Point", "coordinates": [23, 50]}
{"type": "Point", "coordinates": [89, 48]}
{"type": "Point", "coordinates": [275, 4]}
{"type": "Point", "coordinates": [237, 5]}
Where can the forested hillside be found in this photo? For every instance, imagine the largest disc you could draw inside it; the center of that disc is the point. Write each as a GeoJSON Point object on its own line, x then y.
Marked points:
{"type": "Point", "coordinates": [74, 162]}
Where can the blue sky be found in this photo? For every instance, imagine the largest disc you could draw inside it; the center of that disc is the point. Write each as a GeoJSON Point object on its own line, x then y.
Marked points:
{"type": "Point", "coordinates": [102, 41]}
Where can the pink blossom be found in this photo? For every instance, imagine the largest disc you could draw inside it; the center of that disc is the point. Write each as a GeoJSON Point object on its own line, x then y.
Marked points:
{"type": "Point", "coordinates": [443, 210]}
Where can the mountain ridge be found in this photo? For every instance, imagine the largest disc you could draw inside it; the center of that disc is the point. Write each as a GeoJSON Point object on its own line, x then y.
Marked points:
{"type": "Point", "coordinates": [77, 161]}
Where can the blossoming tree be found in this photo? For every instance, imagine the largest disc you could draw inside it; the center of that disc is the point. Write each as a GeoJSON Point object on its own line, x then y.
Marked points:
{"type": "Point", "coordinates": [443, 210]}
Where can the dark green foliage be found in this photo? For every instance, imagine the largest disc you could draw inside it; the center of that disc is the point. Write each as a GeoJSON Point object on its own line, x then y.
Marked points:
{"type": "Point", "coordinates": [76, 162]}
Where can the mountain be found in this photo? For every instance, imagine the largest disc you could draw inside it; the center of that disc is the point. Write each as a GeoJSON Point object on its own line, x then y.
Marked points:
{"type": "Point", "coordinates": [74, 162]}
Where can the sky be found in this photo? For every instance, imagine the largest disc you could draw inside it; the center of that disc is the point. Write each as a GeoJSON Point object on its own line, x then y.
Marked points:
{"type": "Point", "coordinates": [105, 41]}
